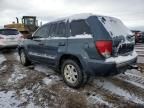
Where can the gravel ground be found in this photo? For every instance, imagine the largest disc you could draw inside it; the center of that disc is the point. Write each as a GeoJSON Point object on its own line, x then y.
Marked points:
{"type": "Point", "coordinates": [40, 87]}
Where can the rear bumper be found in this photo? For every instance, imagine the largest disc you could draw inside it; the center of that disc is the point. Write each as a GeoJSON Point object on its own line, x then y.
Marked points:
{"type": "Point", "coordinates": [112, 66]}
{"type": "Point", "coordinates": [2, 46]}
{"type": "Point", "coordinates": [8, 44]}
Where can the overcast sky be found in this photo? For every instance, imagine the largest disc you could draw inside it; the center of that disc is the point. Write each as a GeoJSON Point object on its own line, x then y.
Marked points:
{"type": "Point", "coordinates": [131, 12]}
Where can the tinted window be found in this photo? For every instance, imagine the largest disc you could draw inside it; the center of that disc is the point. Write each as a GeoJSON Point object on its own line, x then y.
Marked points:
{"type": "Point", "coordinates": [48, 28]}
{"type": "Point", "coordinates": [42, 32]}
{"type": "Point", "coordinates": [52, 31]}
{"type": "Point", "coordinates": [79, 27]}
{"type": "Point", "coordinates": [9, 32]}
{"type": "Point", "coordinates": [61, 29]}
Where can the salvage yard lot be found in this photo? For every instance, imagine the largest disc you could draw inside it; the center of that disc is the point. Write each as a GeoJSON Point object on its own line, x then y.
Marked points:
{"type": "Point", "coordinates": [38, 86]}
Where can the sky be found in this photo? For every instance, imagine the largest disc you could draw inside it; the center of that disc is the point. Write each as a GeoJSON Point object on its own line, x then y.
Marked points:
{"type": "Point", "coordinates": [131, 12]}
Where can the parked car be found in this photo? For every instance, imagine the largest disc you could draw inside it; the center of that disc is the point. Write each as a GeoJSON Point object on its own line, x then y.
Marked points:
{"type": "Point", "coordinates": [80, 46]}
{"type": "Point", "coordinates": [9, 38]}
{"type": "Point", "coordinates": [139, 36]}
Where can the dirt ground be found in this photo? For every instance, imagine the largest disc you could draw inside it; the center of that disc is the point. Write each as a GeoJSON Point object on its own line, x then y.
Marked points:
{"type": "Point", "coordinates": [40, 87]}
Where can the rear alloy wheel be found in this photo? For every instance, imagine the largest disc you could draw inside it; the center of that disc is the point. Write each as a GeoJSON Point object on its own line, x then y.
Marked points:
{"type": "Point", "coordinates": [72, 74]}
{"type": "Point", "coordinates": [23, 58]}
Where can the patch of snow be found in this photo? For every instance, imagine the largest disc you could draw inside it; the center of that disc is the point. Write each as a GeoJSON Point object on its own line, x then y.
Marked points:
{"type": "Point", "coordinates": [79, 16]}
{"type": "Point", "coordinates": [2, 58]}
{"type": "Point", "coordinates": [98, 99]}
{"type": "Point", "coordinates": [48, 81]}
{"type": "Point", "coordinates": [134, 77]}
{"type": "Point", "coordinates": [26, 91]}
{"type": "Point", "coordinates": [82, 36]}
{"type": "Point", "coordinates": [3, 67]}
{"type": "Point", "coordinates": [16, 75]}
{"type": "Point", "coordinates": [74, 17]}
{"type": "Point", "coordinates": [32, 105]}
{"type": "Point", "coordinates": [114, 26]}
{"type": "Point", "coordinates": [121, 59]}
{"type": "Point", "coordinates": [8, 100]}
{"type": "Point", "coordinates": [26, 94]}
{"type": "Point", "coordinates": [140, 59]}
{"type": "Point", "coordinates": [117, 90]}
{"type": "Point", "coordinates": [17, 56]}
{"type": "Point", "coordinates": [134, 83]}
{"type": "Point", "coordinates": [55, 77]}
{"type": "Point", "coordinates": [139, 50]}
{"type": "Point", "coordinates": [43, 68]}
{"type": "Point", "coordinates": [134, 72]}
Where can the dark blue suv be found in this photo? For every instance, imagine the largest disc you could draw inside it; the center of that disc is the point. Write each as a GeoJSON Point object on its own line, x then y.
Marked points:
{"type": "Point", "coordinates": [80, 46]}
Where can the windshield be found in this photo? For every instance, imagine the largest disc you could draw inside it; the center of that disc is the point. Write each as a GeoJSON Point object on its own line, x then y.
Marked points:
{"type": "Point", "coordinates": [114, 26]}
{"type": "Point", "coordinates": [9, 32]}
{"type": "Point", "coordinates": [29, 21]}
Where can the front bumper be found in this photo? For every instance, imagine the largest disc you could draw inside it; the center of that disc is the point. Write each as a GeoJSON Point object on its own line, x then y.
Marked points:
{"type": "Point", "coordinates": [112, 65]}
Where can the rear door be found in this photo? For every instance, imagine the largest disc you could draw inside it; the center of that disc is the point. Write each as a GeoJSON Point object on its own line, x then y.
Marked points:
{"type": "Point", "coordinates": [56, 43]}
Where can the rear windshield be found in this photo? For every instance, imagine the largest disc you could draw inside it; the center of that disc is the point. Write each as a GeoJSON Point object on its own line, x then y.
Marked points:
{"type": "Point", "coordinates": [79, 27]}
{"type": "Point", "coordinates": [8, 32]}
{"type": "Point", "coordinates": [114, 26]}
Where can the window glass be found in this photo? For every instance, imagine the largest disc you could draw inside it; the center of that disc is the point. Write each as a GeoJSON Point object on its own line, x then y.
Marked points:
{"type": "Point", "coordinates": [48, 28]}
{"type": "Point", "coordinates": [42, 32]}
{"type": "Point", "coordinates": [9, 32]}
{"type": "Point", "coordinates": [79, 27]}
{"type": "Point", "coordinates": [29, 21]}
{"type": "Point", "coordinates": [52, 31]}
{"type": "Point", "coordinates": [61, 30]}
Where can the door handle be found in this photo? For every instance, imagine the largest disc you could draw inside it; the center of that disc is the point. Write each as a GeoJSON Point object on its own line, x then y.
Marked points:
{"type": "Point", "coordinates": [61, 44]}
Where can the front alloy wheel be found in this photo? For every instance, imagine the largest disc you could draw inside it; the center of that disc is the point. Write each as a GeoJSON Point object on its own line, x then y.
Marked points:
{"type": "Point", "coordinates": [23, 58]}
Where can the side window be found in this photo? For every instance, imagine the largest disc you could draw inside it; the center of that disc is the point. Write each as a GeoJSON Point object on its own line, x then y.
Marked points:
{"type": "Point", "coordinates": [61, 29]}
{"type": "Point", "coordinates": [52, 31]}
{"type": "Point", "coordinates": [79, 27]}
{"type": "Point", "coordinates": [42, 32]}
{"type": "Point", "coordinates": [48, 29]}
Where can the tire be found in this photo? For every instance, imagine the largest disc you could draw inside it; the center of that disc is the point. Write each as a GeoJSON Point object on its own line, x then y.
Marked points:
{"type": "Point", "coordinates": [72, 74]}
{"type": "Point", "coordinates": [23, 58]}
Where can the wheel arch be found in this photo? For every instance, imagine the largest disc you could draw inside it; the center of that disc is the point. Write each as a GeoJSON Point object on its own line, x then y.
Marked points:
{"type": "Point", "coordinates": [72, 57]}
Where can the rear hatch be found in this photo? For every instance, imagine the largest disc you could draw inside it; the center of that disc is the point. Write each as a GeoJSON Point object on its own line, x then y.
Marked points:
{"type": "Point", "coordinates": [122, 38]}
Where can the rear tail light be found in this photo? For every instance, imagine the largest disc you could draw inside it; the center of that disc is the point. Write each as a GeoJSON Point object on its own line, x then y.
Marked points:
{"type": "Point", "coordinates": [104, 48]}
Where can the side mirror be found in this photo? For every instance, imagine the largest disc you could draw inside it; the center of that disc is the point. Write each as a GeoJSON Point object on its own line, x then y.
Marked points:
{"type": "Point", "coordinates": [29, 36]}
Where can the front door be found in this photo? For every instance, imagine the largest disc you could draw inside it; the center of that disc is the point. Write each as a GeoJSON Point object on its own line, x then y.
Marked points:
{"type": "Point", "coordinates": [36, 45]}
